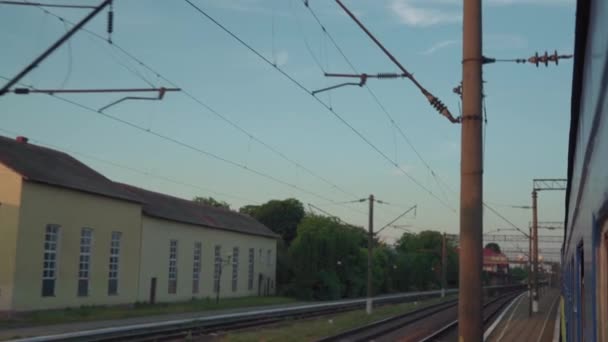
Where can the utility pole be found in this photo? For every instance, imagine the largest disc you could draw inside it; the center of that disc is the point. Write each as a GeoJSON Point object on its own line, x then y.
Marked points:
{"type": "Point", "coordinates": [444, 265]}
{"type": "Point", "coordinates": [529, 271]}
{"type": "Point", "coordinates": [543, 184]}
{"type": "Point", "coordinates": [370, 242]}
{"type": "Point", "coordinates": [470, 322]}
{"type": "Point", "coordinates": [535, 251]}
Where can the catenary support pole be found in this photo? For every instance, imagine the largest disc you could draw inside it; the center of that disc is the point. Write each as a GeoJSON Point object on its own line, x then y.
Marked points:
{"type": "Point", "coordinates": [370, 243]}
{"type": "Point", "coordinates": [444, 265]}
{"type": "Point", "coordinates": [534, 252]}
{"type": "Point", "coordinates": [529, 270]}
{"type": "Point", "coordinates": [471, 185]}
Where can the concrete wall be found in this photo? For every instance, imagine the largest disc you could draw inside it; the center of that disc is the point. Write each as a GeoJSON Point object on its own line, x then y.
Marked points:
{"type": "Point", "coordinates": [157, 234]}
{"type": "Point", "coordinates": [73, 210]}
{"type": "Point", "coordinates": [10, 199]}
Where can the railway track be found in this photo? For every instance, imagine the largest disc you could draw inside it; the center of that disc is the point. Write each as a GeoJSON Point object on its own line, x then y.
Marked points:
{"type": "Point", "coordinates": [426, 324]}
{"type": "Point", "coordinates": [204, 326]}
{"type": "Point", "coordinates": [183, 328]}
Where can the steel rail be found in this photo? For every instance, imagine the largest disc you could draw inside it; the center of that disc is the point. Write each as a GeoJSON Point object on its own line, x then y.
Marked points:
{"type": "Point", "coordinates": [502, 302]}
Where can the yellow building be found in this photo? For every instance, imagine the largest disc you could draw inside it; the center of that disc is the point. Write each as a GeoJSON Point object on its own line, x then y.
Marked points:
{"type": "Point", "coordinates": [71, 237]}
{"type": "Point", "coordinates": [185, 245]}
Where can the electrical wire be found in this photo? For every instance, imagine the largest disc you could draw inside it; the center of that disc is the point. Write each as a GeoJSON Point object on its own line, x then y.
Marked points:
{"type": "Point", "coordinates": [39, 4]}
{"type": "Point", "coordinates": [130, 168]}
{"type": "Point", "coordinates": [376, 99]}
{"type": "Point", "coordinates": [69, 68]}
{"type": "Point", "coordinates": [207, 107]}
{"type": "Point", "coordinates": [306, 43]}
{"type": "Point", "coordinates": [188, 146]}
{"type": "Point", "coordinates": [331, 110]}
{"type": "Point", "coordinates": [495, 212]}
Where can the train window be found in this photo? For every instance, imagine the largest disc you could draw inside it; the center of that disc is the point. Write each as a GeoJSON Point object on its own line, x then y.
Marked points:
{"type": "Point", "coordinates": [602, 290]}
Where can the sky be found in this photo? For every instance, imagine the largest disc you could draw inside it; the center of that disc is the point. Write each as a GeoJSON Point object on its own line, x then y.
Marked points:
{"type": "Point", "coordinates": [274, 139]}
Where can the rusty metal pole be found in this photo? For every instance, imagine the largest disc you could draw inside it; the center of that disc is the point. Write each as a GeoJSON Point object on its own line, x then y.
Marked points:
{"type": "Point", "coordinates": [534, 252]}
{"type": "Point", "coordinates": [444, 265]}
{"type": "Point", "coordinates": [370, 242]}
{"type": "Point", "coordinates": [470, 322]}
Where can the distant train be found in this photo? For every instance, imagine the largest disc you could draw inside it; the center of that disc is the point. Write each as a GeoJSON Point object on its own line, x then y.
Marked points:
{"type": "Point", "coordinates": [584, 299]}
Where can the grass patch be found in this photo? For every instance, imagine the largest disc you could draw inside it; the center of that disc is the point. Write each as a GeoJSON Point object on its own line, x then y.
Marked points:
{"type": "Point", "coordinates": [313, 329]}
{"type": "Point", "coordinates": [90, 313]}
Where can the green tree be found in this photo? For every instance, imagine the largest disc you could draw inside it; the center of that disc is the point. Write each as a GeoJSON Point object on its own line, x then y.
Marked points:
{"type": "Point", "coordinates": [420, 254]}
{"type": "Point", "coordinates": [519, 274]}
{"type": "Point", "coordinates": [282, 217]}
{"type": "Point", "coordinates": [494, 247]}
{"type": "Point", "coordinates": [211, 202]}
{"type": "Point", "coordinates": [327, 259]}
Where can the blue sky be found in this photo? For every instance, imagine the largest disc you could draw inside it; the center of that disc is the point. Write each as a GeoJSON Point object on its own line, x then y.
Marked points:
{"type": "Point", "coordinates": [527, 108]}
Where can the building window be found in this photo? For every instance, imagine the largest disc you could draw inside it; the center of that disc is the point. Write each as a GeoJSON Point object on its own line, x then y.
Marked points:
{"type": "Point", "coordinates": [260, 256]}
{"type": "Point", "coordinates": [114, 263]}
{"type": "Point", "coordinates": [269, 257]}
{"type": "Point", "coordinates": [84, 262]}
{"type": "Point", "coordinates": [235, 268]}
{"type": "Point", "coordinates": [196, 267]}
{"type": "Point", "coordinates": [172, 266]}
{"type": "Point", "coordinates": [49, 269]}
{"type": "Point", "coordinates": [251, 265]}
{"type": "Point", "coordinates": [217, 268]}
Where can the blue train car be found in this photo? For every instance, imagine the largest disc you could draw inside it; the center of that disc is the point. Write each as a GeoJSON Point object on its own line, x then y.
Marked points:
{"type": "Point", "coordinates": [585, 248]}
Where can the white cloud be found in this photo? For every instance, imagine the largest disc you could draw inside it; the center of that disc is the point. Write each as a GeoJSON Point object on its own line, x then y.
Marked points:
{"type": "Point", "coordinates": [416, 15]}
{"type": "Point", "coordinates": [281, 58]}
{"type": "Point", "coordinates": [425, 13]}
{"type": "Point", "coordinates": [441, 45]}
{"type": "Point", "coordinates": [499, 2]}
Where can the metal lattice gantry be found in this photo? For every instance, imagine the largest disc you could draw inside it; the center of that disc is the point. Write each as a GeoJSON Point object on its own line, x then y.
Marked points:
{"type": "Point", "coordinates": [521, 238]}
{"type": "Point", "coordinates": [545, 184]}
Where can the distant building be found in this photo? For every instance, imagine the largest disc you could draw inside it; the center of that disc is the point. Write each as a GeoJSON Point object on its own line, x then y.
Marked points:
{"type": "Point", "coordinates": [71, 237]}
{"type": "Point", "coordinates": [495, 267]}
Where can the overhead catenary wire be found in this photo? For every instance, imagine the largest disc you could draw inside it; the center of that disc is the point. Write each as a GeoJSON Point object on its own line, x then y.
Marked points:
{"type": "Point", "coordinates": [40, 4]}
{"type": "Point", "coordinates": [495, 212]}
{"type": "Point", "coordinates": [191, 147]}
{"type": "Point", "coordinates": [207, 107]}
{"type": "Point", "coordinates": [330, 109]}
{"type": "Point", "coordinates": [130, 168]}
{"type": "Point", "coordinates": [391, 119]}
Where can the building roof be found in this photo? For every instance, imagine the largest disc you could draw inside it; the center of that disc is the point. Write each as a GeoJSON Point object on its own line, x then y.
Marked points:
{"type": "Point", "coordinates": [186, 211]}
{"type": "Point", "coordinates": [44, 165]}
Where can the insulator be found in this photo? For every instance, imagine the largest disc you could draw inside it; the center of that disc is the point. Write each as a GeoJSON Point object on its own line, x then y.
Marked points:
{"type": "Point", "coordinates": [534, 59]}
{"type": "Point", "coordinates": [387, 75]}
{"type": "Point", "coordinates": [545, 59]}
{"type": "Point", "coordinates": [21, 91]}
{"type": "Point", "coordinates": [110, 22]}
{"type": "Point", "coordinates": [554, 58]}
{"type": "Point", "coordinates": [437, 104]}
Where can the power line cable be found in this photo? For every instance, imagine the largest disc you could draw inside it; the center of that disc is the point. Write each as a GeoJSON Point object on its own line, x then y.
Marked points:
{"type": "Point", "coordinates": [130, 168]}
{"type": "Point", "coordinates": [69, 68]}
{"type": "Point", "coordinates": [437, 178]}
{"type": "Point", "coordinates": [308, 47]}
{"type": "Point", "coordinates": [330, 109]}
{"type": "Point", "coordinates": [503, 218]}
{"type": "Point", "coordinates": [207, 107]}
{"type": "Point", "coordinates": [188, 146]}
